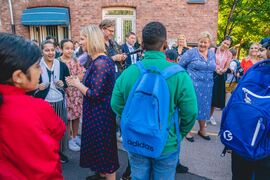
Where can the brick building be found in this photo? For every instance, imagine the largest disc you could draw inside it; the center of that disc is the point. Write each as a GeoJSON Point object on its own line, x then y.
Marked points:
{"type": "Point", "coordinates": [35, 19]}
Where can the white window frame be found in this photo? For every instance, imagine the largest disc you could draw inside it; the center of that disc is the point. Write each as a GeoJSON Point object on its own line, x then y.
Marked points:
{"type": "Point", "coordinates": [119, 21]}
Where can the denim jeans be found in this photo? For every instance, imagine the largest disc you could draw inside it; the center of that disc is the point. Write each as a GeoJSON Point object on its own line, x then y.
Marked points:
{"type": "Point", "coordinates": [161, 168]}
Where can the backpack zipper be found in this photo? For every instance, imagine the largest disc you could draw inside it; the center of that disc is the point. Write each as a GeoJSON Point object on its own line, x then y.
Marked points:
{"type": "Point", "coordinates": [253, 94]}
{"type": "Point", "coordinates": [255, 135]}
{"type": "Point", "coordinates": [248, 100]}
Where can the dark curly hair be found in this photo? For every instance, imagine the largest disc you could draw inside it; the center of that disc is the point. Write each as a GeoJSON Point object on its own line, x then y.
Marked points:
{"type": "Point", "coordinates": [153, 36]}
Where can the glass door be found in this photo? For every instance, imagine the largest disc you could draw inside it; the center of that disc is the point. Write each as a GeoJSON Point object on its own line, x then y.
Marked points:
{"type": "Point", "coordinates": [125, 21]}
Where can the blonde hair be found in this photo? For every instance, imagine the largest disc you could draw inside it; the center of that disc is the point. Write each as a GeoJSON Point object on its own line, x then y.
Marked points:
{"type": "Point", "coordinates": [95, 39]}
{"type": "Point", "coordinates": [205, 34]}
{"type": "Point", "coordinates": [184, 37]}
{"type": "Point", "coordinates": [254, 44]}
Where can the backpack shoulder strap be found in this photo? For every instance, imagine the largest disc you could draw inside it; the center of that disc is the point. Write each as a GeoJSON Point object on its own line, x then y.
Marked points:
{"type": "Point", "coordinates": [171, 70]}
{"type": "Point", "coordinates": [237, 62]}
{"type": "Point", "coordinates": [141, 67]}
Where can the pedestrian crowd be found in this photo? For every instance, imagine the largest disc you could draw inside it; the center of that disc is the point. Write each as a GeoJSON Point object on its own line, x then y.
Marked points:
{"type": "Point", "coordinates": [46, 90]}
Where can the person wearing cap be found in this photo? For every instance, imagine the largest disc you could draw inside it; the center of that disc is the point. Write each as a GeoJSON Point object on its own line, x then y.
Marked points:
{"type": "Point", "coordinates": [171, 56]}
{"type": "Point", "coordinates": [264, 51]}
{"type": "Point", "coordinates": [247, 169]}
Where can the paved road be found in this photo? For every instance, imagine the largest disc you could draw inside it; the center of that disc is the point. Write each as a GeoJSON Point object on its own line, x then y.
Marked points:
{"type": "Point", "coordinates": [202, 157]}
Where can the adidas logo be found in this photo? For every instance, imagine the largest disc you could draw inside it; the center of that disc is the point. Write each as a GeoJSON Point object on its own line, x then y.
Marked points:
{"type": "Point", "coordinates": [140, 145]}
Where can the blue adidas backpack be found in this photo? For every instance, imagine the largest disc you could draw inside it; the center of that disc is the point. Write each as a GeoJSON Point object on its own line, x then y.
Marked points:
{"type": "Point", "coordinates": [144, 121]}
{"type": "Point", "coordinates": [245, 124]}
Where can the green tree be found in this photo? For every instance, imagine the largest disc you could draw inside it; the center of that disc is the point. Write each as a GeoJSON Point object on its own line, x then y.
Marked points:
{"type": "Point", "coordinates": [246, 21]}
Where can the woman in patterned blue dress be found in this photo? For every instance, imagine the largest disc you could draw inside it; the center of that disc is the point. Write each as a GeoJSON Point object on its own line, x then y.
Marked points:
{"type": "Point", "coordinates": [98, 146]}
{"type": "Point", "coordinates": [200, 64]}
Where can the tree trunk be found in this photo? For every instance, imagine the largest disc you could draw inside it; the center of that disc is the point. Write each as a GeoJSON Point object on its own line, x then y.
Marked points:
{"type": "Point", "coordinates": [226, 32]}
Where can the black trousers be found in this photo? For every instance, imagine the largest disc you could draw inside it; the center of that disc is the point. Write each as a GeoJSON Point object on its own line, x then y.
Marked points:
{"type": "Point", "coordinates": [243, 169]}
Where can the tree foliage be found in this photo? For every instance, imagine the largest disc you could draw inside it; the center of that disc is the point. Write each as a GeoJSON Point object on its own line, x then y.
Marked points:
{"type": "Point", "coordinates": [246, 21]}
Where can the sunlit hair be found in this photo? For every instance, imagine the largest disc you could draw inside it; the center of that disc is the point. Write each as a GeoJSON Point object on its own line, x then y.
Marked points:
{"type": "Point", "coordinates": [254, 44]}
{"type": "Point", "coordinates": [95, 39]}
{"type": "Point", "coordinates": [106, 23]}
{"type": "Point", "coordinates": [205, 34]}
{"type": "Point", "coordinates": [182, 36]}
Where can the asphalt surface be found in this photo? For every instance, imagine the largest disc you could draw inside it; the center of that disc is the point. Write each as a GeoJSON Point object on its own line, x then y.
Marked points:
{"type": "Point", "coordinates": [202, 157]}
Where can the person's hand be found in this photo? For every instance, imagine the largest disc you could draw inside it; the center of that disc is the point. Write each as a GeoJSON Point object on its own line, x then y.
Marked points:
{"type": "Point", "coordinates": [73, 81]}
{"type": "Point", "coordinates": [43, 86]}
{"type": "Point", "coordinates": [119, 57]}
{"type": "Point", "coordinates": [80, 75]}
{"type": "Point", "coordinates": [59, 84]}
{"type": "Point", "coordinates": [124, 57]}
{"type": "Point", "coordinates": [218, 71]}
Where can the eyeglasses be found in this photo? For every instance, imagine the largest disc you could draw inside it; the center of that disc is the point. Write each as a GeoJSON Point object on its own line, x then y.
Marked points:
{"type": "Point", "coordinates": [110, 30]}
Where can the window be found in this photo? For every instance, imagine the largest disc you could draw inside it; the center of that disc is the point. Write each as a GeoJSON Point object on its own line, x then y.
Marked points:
{"type": "Point", "coordinates": [119, 12]}
{"type": "Point", "coordinates": [52, 31]}
{"type": "Point", "coordinates": [125, 21]}
{"type": "Point", "coordinates": [40, 33]}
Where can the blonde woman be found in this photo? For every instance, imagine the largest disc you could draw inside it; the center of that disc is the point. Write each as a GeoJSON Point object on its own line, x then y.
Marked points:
{"type": "Point", "coordinates": [98, 145]}
{"type": "Point", "coordinates": [181, 47]}
{"type": "Point", "coordinates": [200, 64]}
{"type": "Point", "coordinates": [252, 58]}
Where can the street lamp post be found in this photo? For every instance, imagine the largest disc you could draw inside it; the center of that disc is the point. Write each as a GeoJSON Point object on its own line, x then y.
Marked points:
{"type": "Point", "coordinates": [11, 17]}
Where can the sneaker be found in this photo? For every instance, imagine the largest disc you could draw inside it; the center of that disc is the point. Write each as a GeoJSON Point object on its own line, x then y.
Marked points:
{"type": "Point", "coordinates": [181, 169]}
{"type": "Point", "coordinates": [73, 146]}
{"type": "Point", "coordinates": [77, 140]}
{"type": "Point", "coordinates": [63, 158]}
{"type": "Point", "coordinates": [213, 121]}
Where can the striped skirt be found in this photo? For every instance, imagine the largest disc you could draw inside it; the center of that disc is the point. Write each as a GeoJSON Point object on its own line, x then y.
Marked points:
{"type": "Point", "coordinates": [61, 111]}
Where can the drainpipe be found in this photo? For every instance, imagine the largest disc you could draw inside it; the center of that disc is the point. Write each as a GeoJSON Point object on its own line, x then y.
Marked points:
{"type": "Point", "coordinates": [11, 17]}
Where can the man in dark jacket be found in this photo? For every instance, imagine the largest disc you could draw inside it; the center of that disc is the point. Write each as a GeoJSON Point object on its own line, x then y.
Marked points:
{"type": "Point", "coordinates": [113, 50]}
{"type": "Point", "coordinates": [129, 47]}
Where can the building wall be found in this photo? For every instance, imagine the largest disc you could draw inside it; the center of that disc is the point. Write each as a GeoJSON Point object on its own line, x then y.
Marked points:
{"type": "Point", "coordinates": [5, 17]}
{"type": "Point", "coordinates": [177, 15]}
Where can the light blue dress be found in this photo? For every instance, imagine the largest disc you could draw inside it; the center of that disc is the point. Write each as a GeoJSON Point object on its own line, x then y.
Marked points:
{"type": "Point", "coordinates": [201, 72]}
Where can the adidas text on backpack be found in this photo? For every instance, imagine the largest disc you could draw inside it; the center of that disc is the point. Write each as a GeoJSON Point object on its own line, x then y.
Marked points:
{"type": "Point", "coordinates": [245, 124]}
{"type": "Point", "coordinates": [144, 122]}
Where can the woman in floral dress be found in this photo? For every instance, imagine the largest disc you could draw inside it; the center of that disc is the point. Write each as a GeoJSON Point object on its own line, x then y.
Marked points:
{"type": "Point", "coordinates": [73, 95]}
{"type": "Point", "coordinates": [200, 64]}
